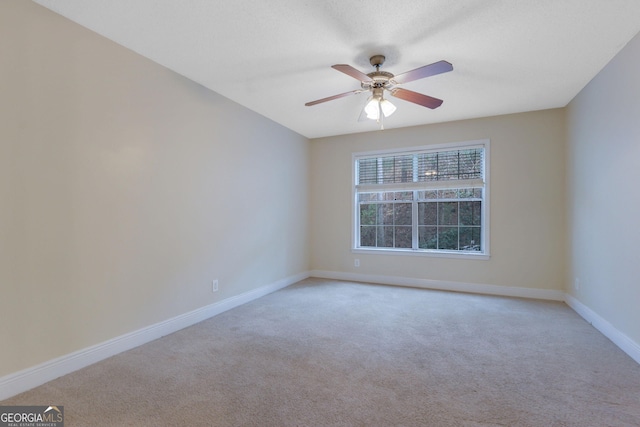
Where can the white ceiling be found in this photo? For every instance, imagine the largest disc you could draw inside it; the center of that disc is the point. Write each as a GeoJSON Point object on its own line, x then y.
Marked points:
{"type": "Point", "coordinates": [273, 56]}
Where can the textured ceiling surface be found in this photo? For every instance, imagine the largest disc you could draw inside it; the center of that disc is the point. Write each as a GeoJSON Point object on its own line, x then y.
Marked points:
{"type": "Point", "coordinates": [273, 56]}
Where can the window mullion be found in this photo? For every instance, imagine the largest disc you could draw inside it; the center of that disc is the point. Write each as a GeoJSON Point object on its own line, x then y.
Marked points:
{"type": "Point", "coordinates": [414, 207]}
{"type": "Point", "coordinates": [414, 221]}
{"type": "Point", "coordinates": [458, 223]}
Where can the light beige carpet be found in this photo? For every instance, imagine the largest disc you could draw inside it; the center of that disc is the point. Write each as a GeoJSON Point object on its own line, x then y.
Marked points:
{"type": "Point", "coordinates": [328, 353]}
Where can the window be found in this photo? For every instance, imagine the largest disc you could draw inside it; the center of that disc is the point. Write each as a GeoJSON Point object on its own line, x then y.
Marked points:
{"type": "Point", "coordinates": [428, 200]}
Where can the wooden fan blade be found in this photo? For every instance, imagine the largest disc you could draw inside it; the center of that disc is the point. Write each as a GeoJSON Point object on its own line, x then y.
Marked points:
{"type": "Point", "coordinates": [416, 98]}
{"type": "Point", "coordinates": [330, 98]}
{"type": "Point", "coordinates": [350, 71]}
{"type": "Point", "coordinates": [422, 72]}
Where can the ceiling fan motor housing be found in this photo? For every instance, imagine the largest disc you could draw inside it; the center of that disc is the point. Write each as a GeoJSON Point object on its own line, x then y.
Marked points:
{"type": "Point", "coordinates": [380, 78]}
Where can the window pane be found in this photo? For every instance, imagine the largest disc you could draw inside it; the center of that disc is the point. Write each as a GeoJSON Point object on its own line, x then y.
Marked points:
{"type": "Point", "coordinates": [448, 194]}
{"type": "Point", "coordinates": [428, 195]}
{"type": "Point", "coordinates": [428, 213]}
{"type": "Point", "coordinates": [388, 169]}
{"type": "Point", "coordinates": [448, 213]}
{"type": "Point", "coordinates": [403, 195]}
{"type": "Point", "coordinates": [470, 162]}
{"type": "Point", "coordinates": [428, 167]}
{"type": "Point", "coordinates": [402, 213]}
{"type": "Point", "coordinates": [397, 169]}
{"type": "Point", "coordinates": [470, 213]}
{"type": "Point", "coordinates": [448, 238]}
{"type": "Point", "coordinates": [367, 236]}
{"type": "Point", "coordinates": [427, 237]}
{"type": "Point", "coordinates": [450, 165]}
{"type": "Point", "coordinates": [368, 197]}
{"type": "Point", "coordinates": [403, 237]}
{"type": "Point", "coordinates": [470, 193]}
{"type": "Point", "coordinates": [385, 237]}
{"type": "Point", "coordinates": [397, 195]}
{"type": "Point", "coordinates": [470, 238]}
{"type": "Point", "coordinates": [385, 214]}
{"type": "Point", "coordinates": [368, 171]}
{"type": "Point", "coordinates": [367, 214]}
{"type": "Point", "coordinates": [465, 193]}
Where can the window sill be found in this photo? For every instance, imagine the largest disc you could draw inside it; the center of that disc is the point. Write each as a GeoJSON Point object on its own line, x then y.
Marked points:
{"type": "Point", "coordinates": [411, 252]}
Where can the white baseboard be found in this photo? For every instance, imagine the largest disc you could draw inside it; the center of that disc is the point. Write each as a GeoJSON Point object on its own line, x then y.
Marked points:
{"type": "Point", "coordinates": [625, 343]}
{"type": "Point", "coordinates": [29, 378]}
{"type": "Point", "coordinates": [476, 288]}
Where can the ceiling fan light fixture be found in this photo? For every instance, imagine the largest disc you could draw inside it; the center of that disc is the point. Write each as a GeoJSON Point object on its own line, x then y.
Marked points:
{"type": "Point", "coordinates": [376, 105]}
{"type": "Point", "coordinates": [372, 108]}
{"type": "Point", "coordinates": [387, 107]}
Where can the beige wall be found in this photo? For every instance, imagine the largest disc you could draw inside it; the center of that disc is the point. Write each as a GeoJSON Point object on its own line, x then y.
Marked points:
{"type": "Point", "coordinates": [604, 205]}
{"type": "Point", "coordinates": [125, 189]}
{"type": "Point", "coordinates": [527, 202]}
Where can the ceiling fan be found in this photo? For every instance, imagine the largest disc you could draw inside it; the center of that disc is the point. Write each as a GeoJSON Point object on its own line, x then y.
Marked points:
{"type": "Point", "coordinates": [378, 81]}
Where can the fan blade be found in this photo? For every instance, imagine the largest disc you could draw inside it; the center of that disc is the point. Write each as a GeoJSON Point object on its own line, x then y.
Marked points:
{"type": "Point", "coordinates": [422, 72]}
{"type": "Point", "coordinates": [331, 98]}
{"type": "Point", "coordinates": [350, 71]}
{"type": "Point", "coordinates": [416, 98]}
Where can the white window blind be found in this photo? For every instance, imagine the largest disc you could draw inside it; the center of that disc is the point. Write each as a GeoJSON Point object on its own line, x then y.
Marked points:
{"type": "Point", "coordinates": [463, 166]}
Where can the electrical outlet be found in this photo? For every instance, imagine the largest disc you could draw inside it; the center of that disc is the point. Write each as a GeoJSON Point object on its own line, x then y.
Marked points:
{"type": "Point", "coordinates": [576, 284]}
{"type": "Point", "coordinates": [214, 285]}
{"type": "Point", "coordinates": [356, 262]}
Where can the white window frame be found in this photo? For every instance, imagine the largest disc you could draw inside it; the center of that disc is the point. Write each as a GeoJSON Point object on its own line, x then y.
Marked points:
{"type": "Point", "coordinates": [483, 254]}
